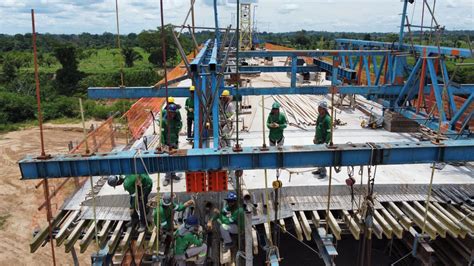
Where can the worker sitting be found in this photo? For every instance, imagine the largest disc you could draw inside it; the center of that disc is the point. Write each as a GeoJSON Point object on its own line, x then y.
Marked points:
{"type": "Point", "coordinates": [139, 187]}
{"type": "Point", "coordinates": [323, 132]}
{"type": "Point", "coordinates": [189, 243]}
{"type": "Point", "coordinates": [167, 206]}
{"type": "Point", "coordinates": [226, 122]}
{"type": "Point", "coordinates": [276, 122]}
{"type": "Point", "coordinates": [170, 128]}
{"type": "Point", "coordinates": [230, 218]}
{"type": "Point", "coordinates": [189, 106]}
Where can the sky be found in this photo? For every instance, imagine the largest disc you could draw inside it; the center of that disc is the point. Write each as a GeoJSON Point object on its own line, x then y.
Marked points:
{"type": "Point", "coordinates": [98, 16]}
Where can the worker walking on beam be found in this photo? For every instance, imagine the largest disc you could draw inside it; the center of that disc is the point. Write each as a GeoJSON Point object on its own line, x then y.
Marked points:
{"type": "Point", "coordinates": [323, 133]}
{"type": "Point", "coordinates": [170, 128]}
{"type": "Point", "coordinates": [226, 122]}
{"type": "Point", "coordinates": [189, 243]}
{"type": "Point", "coordinates": [230, 218]}
{"type": "Point", "coordinates": [167, 204]}
{"type": "Point", "coordinates": [276, 122]}
{"type": "Point", "coordinates": [189, 107]}
{"type": "Point", "coordinates": [139, 187]}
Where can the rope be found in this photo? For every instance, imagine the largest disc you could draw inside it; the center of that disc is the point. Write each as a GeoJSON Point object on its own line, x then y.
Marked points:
{"type": "Point", "coordinates": [428, 199]}
{"type": "Point", "coordinates": [306, 245]}
{"type": "Point", "coordinates": [118, 43]}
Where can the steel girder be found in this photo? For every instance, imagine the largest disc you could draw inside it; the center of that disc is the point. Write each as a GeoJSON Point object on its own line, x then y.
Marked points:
{"type": "Point", "coordinates": [130, 162]}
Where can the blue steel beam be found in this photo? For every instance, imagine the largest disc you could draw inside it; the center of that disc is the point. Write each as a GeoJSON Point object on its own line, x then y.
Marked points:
{"type": "Point", "coordinates": [312, 53]}
{"type": "Point", "coordinates": [466, 53]}
{"type": "Point", "coordinates": [129, 162]}
{"type": "Point", "coordinates": [213, 61]}
{"type": "Point", "coordinates": [200, 56]}
{"type": "Point", "coordinates": [342, 73]}
{"type": "Point", "coordinates": [147, 92]}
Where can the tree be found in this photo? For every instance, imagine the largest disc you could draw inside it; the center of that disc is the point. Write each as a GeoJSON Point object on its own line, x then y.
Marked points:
{"type": "Point", "coordinates": [10, 67]}
{"type": "Point", "coordinates": [68, 76]}
{"type": "Point", "coordinates": [130, 56]}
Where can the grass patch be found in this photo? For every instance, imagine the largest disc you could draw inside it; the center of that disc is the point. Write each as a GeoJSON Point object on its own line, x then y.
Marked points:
{"type": "Point", "coordinates": [3, 220]}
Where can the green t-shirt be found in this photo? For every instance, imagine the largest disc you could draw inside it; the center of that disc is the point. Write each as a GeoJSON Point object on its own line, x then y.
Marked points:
{"type": "Point", "coordinates": [227, 216]}
{"type": "Point", "coordinates": [129, 183]}
{"type": "Point", "coordinates": [323, 129]}
{"type": "Point", "coordinates": [165, 215]}
{"type": "Point", "coordinates": [182, 242]}
{"type": "Point", "coordinates": [189, 105]}
{"type": "Point", "coordinates": [276, 133]}
{"type": "Point", "coordinates": [174, 128]}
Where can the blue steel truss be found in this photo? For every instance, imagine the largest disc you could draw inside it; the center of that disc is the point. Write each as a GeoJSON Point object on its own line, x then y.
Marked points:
{"type": "Point", "coordinates": [388, 77]}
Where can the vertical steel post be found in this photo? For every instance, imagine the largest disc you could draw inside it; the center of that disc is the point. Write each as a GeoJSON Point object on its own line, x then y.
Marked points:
{"type": "Point", "coordinates": [196, 125]}
{"type": "Point", "coordinates": [294, 61]}
{"type": "Point", "coordinates": [248, 239]}
{"type": "Point", "coordinates": [402, 24]}
{"type": "Point", "coordinates": [216, 20]}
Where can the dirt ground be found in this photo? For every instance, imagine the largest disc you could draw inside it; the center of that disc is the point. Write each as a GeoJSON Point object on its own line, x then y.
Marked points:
{"type": "Point", "coordinates": [19, 199]}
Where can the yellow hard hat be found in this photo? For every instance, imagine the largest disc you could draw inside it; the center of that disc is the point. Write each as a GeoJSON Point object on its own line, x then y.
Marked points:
{"type": "Point", "coordinates": [170, 99]}
{"type": "Point", "coordinates": [191, 88]}
{"type": "Point", "coordinates": [225, 93]}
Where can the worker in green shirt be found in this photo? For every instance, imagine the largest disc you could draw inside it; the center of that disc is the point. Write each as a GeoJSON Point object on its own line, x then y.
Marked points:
{"type": "Point", "coordinates": [139, 187]}
{"type": "Point", "coordinates": [230, 218]}
{"type": "Point", "coordinates": [323, 133]}
{"type": "Point", "coordinates": [170, 127]}
{"type": "Point", "coordinates": [189, 107]}
{"type": "Point", "coordinates": [189, 243]}
{"type": "Point", "coordinates": [171, 101]}
{"type": "Point", "coordinates": [166, 207]}
{"type": "Point", "coordinates": [276, 122]}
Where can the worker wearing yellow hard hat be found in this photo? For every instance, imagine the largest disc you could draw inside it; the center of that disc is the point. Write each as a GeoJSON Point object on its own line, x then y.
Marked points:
{"type": "Point", "coordinates": [170, 101]}
{"type": "Point", "coordinates": [225, 93]}
{"type": "Point", "coordinates": [189, 106]}
{"type": "Point", "coordinates": [226, 124]}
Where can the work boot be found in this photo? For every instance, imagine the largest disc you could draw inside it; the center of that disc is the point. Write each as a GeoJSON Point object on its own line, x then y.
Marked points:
{"type": "Point", "coordinates": [227, 246]}
{"type": "Point", "coordinates": [317, 172]}
{"type": "Point", "coordinates": [142, 228]}
{"type": "Point", "coordinates": [175, 177]}
{"type": "Point", "coordinates": [166, 181]}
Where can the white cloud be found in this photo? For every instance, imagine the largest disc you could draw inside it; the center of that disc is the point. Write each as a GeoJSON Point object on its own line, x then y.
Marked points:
{"type": "Point", "coordinates": [97, 16]}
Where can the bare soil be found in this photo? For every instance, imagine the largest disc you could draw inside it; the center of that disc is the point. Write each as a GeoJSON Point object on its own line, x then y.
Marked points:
{"type": "Point", "coordinates": [19, 199]}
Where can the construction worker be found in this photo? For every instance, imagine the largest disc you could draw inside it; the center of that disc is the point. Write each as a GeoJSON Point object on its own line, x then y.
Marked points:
{"type": "Point", "coordinates": [323, 132]}
{"type": "Point", "coordinates": [189, 243]}
{"type": "Point", "coordinates": [276, 122]}
{"type": "Point", "coordinates": [229, 219]}
{"type": "Point", "coordinates": [139, 187]}
{"type": "Point", "coordinates": [189, 106]}
{"type": "Point", "coordinates": [226, 123]}
{"type": "Point", "coordinates": [167, 204]}
{"type": "Point", "coordinates": [170, 101]}
{"type": "Point", "coordinates": [170, 127]}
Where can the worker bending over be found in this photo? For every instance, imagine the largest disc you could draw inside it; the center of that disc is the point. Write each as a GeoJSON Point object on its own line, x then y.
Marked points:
{"type": "Point", "coordinates": [167, 205]}
{"type": "Point", "coordinates": [139, 187]}
{"type": "Point", "coordinates": [229, 219]}
{"type": "Point", "coordinates": [189, 107]}
{"type": "Point", "coordinates": [189, 243]}
{"type": "Point", "coordinates": [323, 132]}
{"type": "Point", "coordinates": [276, 122]}
{"type": "Point", "coordinates": [226, 123]}
{"type": "Point", "coordinates": [170, 127]}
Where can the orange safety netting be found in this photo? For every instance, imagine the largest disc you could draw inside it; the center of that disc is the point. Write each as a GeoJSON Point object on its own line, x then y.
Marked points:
{"type": "Point", "coordinates": [100, 139]}
{"type": "Point", "coordinates": [459, 101]}
{"type": "Point", "coordinates": [139, 117]}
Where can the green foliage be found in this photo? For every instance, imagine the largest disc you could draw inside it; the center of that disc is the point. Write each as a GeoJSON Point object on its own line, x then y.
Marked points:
{"type": "Point", "coordinates": [9, 70]}
{"type": "Point", "coordinates": [60, 106]}
{"type": "Point", "coordinates": [102, 110]}
{"type": "Point", "coordinates": [16, 107]}
{"type": "Point", "coordinates": [68, 76]}
{"type": "Point", "coordinates": [130, 56]}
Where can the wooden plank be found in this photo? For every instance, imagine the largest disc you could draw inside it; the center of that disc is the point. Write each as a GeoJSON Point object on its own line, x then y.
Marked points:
{"type": "Point", "coordinates": [463, 229]}
{"type": "Point", "coordinates": [352, 224]}
{"type": "Point", "coordinates": [468, 222]}
{"type": "Point", "coordinates": [282, 225]}
{"type": "Point", "coordinates": [115, 237]}
{"type": "Point", "coordinates": [454, 230]}
{"type": "Point", "coordinates": [377, 228]}
{"type": "Point", "coordinates": [88, 236]}
{"type": "Point", "coordinates": [437, 224]}
{"type": "Point", "coordinates": [254, 241]}
{"type": "Point", "coordinates": [41, 236]}
{"type": "Point", "coordinates": [74, 235]}
{"type": "Point", "coordinates": [306, 228]}
{"type": "Point", "coordinates": [140, 240]}
{"type": "Point", "coordinates": [63, 232]}
{"type": "Point", "coordinates": [104, 232]}
{"type": "Point", "coordinates": [402, 218]}
{"type": "Point", "coordinates": [125, 240]}
{"type": "Point", "coordinates": [298, 230]}
{"type": "Point", "coordinates": [315, 218]}
{"type": "Point", "coordinates": [419, 220]}
{"type": "Point", "coordinates": [386, 227]}
{"type": "Point", "coordinates": [151, 243]}
{"type": "Point", "coordinates": [335, 229]}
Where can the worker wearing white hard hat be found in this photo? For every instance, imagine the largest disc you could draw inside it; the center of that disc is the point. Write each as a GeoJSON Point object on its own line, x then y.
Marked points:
{"type": "Point", "coordinates": [323, 132]}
